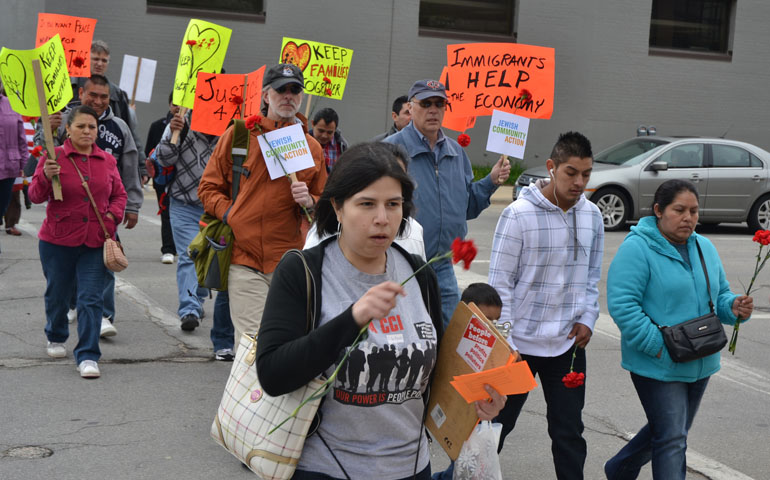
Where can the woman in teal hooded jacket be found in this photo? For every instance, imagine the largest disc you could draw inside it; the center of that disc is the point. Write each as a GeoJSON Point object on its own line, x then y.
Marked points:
{"type": "Point", "coordinates": [657, 275]}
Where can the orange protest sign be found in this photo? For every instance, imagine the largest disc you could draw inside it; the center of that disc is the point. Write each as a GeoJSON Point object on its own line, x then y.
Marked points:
{"type": "Point", "coordinates": [218, 99]}
{"type": "Point", "coordinates": [510, 77]}
{"type": "Point", "coordinates": [76, 34]}
{"type": "Point", "coordinates": [510, 379]}
{"type": "Point", "coordinates": [254, 91]}
{"type": "Point", "coordinates": [451, 120]}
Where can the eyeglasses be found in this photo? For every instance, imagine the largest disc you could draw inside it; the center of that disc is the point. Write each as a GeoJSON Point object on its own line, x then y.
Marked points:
{"type": "Point", "coordinates": [293, 88]}
{"type": "Point", "coordinates": [427, 103]}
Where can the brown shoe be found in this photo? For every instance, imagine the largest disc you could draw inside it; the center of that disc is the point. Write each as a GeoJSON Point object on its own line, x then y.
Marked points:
{"type": "Point", "coordinates": [13, 231]}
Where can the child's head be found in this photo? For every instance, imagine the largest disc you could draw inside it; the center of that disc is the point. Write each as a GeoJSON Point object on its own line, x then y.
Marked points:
{"type": "Point", "coordinates": [486, 298]}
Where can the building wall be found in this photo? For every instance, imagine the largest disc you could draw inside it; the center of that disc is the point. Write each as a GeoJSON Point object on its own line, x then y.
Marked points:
{"type": "Point", "coordinates": [606, 81]}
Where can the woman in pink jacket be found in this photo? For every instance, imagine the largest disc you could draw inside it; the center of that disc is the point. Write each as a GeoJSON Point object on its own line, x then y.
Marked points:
{"type": "Point", "coordinates": [13, 150]}
{"type": "Point", "coordinates": [71, 239]}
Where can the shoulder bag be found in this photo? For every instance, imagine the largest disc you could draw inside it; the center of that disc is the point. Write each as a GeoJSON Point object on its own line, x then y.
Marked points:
{"type": "Point", "coordinates": [696, 338]}
{"type": "Point", "coordinates": [246, 413]}
{"type": "Point", "coordinates": [114, 258]}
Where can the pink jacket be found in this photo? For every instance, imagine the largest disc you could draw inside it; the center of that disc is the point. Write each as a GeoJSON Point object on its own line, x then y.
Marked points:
{"type": "Point", "coordinates": [13, 141]}
{"type": "Point", "coordinates": [72, 222]}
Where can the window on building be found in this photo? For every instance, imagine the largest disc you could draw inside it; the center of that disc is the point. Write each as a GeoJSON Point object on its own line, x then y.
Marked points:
{"type": "Point", "coordinates": [485, 17]}
{"type": "Point", "coordinates": [254, 7]}
{"type": "Point", "coordinates": [692, 25]}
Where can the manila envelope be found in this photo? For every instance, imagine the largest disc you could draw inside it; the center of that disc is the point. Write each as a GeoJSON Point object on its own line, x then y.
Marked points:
{"type": "Point", "coordinates": [470, 344]}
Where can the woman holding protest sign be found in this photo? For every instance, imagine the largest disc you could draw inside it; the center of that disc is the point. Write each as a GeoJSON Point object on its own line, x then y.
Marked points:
{"type": "Point", "coordinates": [13, 150]}
{"type": "Point", "coordinates": [365, 432]}
{"type": "Point", "coordinates": [71, 237]}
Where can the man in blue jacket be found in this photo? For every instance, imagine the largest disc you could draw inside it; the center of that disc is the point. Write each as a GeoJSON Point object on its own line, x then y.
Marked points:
{"type": "Point", "coordinates": [446, 195]}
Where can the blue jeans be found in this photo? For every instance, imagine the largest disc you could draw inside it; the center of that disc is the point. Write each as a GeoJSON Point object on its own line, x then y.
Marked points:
{"type": "Point", "coordinates": [450, 293]}
{"type": "Point", "coordinates": [184, 225]}
{"type": "Point", "coordinates": [564, 411]}
{"type": "Point", "coordinates": [446, 474]}
{"type": "Point", "coordinates": [62, 267]}
{"type": "Point", "coordinates": [222, 330]}
{"type": "Point", "coordinates": [108, 294]}
{"type": "Point", "coordinates": [670, 408]}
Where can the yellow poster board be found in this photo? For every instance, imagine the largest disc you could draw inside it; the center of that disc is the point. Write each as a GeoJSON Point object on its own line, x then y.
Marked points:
{"type": "Point", "coordinates": [325, 67]}
{"type": "Point", "coordinates": [19, 80]}
{"type": "Point", "coordinates": [204, 46]}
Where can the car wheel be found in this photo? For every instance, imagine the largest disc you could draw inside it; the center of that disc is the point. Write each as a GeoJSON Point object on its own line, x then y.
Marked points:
{"type": "Point", "coordinates": [759, 216]}
{"type": "Point", "coordinates": [613, 206]}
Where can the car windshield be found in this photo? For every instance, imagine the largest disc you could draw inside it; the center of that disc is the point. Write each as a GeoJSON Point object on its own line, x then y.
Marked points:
{"type": "Point", "coordinates": [624, 152]}
{"type": "Point", "coordinates": [642, 156]}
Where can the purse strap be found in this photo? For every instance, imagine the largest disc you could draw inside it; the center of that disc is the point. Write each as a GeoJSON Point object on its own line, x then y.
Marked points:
{"type": "Point", "coordinates": [91, 197]}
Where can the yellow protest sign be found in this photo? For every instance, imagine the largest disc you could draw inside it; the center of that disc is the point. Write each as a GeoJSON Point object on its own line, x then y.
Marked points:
{"type": "Point", "coordinates": [18, 78]}
{"type": "Point", "coordinates": [203, 50]}
{"type": "Point", "coordinates": [325, 67]}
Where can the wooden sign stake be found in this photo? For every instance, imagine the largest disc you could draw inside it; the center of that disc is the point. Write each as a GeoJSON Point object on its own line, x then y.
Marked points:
{"type": "Point", "coordinates": [307, 107]}
{"type": "Point", "coordinates": [136, 80]}
{"type": "Point", "coordinates": [49, 147]}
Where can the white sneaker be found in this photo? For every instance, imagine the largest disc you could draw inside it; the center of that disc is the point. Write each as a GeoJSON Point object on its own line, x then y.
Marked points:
{"type": "Point", "coordinates": [72, 314]}
{"type": "Point", "coordinates": [56, 350]}
{"type": "Point", "coordinates": [107, 330]}
{"type": "Point", "coordinates": [167, 258]}
{"type": "Point", "coordinates": [89, 369]}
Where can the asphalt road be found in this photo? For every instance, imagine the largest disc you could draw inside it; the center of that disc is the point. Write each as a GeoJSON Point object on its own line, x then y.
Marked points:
{"type": "Point", "coordinates": [150, 413]}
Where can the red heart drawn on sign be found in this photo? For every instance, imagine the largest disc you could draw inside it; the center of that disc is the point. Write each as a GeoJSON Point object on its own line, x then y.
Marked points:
{"type": "Point", "coordinates": [206, 45]}
{"type": "Point", "coordinates": [298, 55]}
{"type": "Point", "coordinates": [12, 87]}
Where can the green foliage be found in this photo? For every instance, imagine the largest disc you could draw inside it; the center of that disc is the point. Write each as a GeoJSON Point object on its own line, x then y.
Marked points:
{"type": "Point", "coordinates": [481, 171]}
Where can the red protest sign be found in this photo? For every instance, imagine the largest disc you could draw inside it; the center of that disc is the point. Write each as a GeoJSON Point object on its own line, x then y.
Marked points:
{"type": "Point", "coordinates": [510, 77]}
{"type": "Point", "coordinates": [254, 91]}
{"type": "Point", "coordinates": [76, 35]}
{"type": "Point", "coordinates": [218, 99]}
{"type": "Point", "coordinates": [451, 120]}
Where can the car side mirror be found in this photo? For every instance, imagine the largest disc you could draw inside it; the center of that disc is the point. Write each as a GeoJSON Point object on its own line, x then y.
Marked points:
{"type": "Point", "coordinates": [658, 166]}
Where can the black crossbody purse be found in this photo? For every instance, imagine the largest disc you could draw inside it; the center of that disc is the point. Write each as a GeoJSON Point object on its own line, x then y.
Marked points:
{"type": "Point", "coordinates": [696, 338]}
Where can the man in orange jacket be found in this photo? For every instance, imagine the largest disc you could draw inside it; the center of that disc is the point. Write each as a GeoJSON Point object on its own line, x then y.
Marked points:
{"type": "Point", "coordinates": [266, 217]}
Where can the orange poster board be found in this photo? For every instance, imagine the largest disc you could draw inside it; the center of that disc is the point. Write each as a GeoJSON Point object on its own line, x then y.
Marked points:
{"type": "Point", "coordinates": [451, 120]}
{"type": "Point", "coordinates": [511, 77]}
{"type": "Point", "coordinates": [76, 35]}
{"type": "Point", "coordinates": [218, 99]}
{"type": "Point", "coordinates": [254, 91]}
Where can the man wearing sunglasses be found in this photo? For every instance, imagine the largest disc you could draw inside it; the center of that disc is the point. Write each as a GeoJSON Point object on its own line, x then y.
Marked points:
{"type": "Point", "coordinates": [446, 195]}
{"type": "Point", "coordinates": [266, 216]}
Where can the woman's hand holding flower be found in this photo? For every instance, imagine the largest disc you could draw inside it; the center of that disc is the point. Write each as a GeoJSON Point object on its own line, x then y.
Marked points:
{"type": "Point", "coordinates": [377, 302]}
{"type": "Point", "coordinates": [743, 306]}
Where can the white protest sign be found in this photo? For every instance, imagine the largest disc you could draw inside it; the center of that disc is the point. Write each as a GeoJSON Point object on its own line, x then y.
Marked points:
{"type": "Point", "coordinates": [508, 134]}
{"type": "Point", "coordinates": [476, 344]}
{"type": "Point", "coordinates": [289, 149]}
{"type": "Point", "coordinates": [137, 77]}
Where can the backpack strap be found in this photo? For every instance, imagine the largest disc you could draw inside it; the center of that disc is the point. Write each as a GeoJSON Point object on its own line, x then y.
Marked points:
{"type": "Point", "coordinates": [239, 150]}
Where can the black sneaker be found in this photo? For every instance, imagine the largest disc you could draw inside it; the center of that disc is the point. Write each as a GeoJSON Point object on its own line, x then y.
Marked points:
{"type": "Point", "coordinates": [189, 322]}
{"type": "Point", "coordinates": [225, 355]}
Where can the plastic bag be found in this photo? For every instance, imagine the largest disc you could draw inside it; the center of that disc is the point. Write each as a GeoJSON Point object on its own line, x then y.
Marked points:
{"type": "Point", "coordinates": [478, 458]}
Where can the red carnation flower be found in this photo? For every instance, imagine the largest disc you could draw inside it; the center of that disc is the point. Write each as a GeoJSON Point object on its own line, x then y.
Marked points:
{"type": "Point", "coordinates": [463, 251]}
{"type": "Point", "coordinates": [574, 379]}
{"type": "Point", "coordinates": [464, 140]}
{"type": "Point", "coordinates": [525, 95]}
{"type": "Point", "coordinates": [328, 92]}
{"type": "Point", "coordinates": [326, 80]}
{"type": "Point", "coordinates": [762, 237]}
{"type": "Point", "coordinates": [191, 42]}
{"type": "Point", "coordinates": [78, 62]}
{"type": "Point", "coordinates": [37, 151]}
{"type": "Point", "coordinates": [252, 120]}
{"type": "Point", "coordinates": [237, 99]}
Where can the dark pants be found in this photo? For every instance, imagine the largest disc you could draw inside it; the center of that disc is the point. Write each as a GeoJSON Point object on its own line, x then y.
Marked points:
{"type": "Point", "coordinates": [167, 238]}
{"type": "Point", "coordinates": [222, 331]}
{"type": "Point", "coordinates": [13, 212]}
{"type": "Point", "coordinates": [302, 475]}
{"type": "Point", "coordinates": [564, 410]}
{"type": "Point", "coordinates": [670, 408]}
{"type": "Point", "coordinates": [6, 187]}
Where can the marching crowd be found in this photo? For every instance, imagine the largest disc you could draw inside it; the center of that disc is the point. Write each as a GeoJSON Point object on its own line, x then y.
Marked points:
{"type": "Point", "coordinates": [380, 209]}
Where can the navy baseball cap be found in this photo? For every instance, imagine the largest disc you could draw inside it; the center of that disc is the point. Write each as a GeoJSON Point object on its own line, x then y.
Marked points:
{"type": "Point", "coordinates": [283, 74]}
{"type": "Point", "coordinates": [423, 89]}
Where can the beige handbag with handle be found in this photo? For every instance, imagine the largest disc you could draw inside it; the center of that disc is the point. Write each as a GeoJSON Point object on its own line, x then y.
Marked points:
{"type": "Point", "coordinates": [114, 258]}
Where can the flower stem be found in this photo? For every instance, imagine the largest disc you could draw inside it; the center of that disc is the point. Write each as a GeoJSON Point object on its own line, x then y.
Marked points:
{"type": "Point", "coordinates": [757, 268]}
{"type": "Point", "coordinates": [572, 363]}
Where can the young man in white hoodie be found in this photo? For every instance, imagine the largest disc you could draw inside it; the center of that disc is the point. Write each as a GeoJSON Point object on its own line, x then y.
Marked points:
{"type": "Point", "coordinates": [546, 264]}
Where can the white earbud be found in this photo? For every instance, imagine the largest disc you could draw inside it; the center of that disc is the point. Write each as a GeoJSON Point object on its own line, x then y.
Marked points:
{"type": "Point", "coordinates": [551, 172]}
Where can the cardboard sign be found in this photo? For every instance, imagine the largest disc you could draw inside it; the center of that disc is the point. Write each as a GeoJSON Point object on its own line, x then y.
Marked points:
{"type": "Point", "coordinates": [218, 99]}
{"type": "Point", "coordinates": [508, 134]}
{"type": "Point", "coordinates": [511, 77]}
{"type": "Point", "coordinates": [451, 120]}
{"type": "Point", "coordinates": [137, 77]}
{"type": "Point", "coordinates": [451, 418]}
{"type": "Point", "coordinates": [18, 78]}
{"type": "Point", "coordinates": [289, 153]}
{"type": "Point", "coordinates": [253, 95]}
{"type": "Point", "coordinates": [76, 34]}
{"type": "Point", "coordinates": [203, 50]}
{"type": "Point", "coordinates": [325, 67]}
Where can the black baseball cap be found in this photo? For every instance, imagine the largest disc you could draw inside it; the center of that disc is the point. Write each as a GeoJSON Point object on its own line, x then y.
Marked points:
{"type": "Point", "coordinates": [283, 74]}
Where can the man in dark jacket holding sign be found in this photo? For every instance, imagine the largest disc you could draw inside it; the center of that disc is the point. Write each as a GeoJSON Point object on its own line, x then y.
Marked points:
{"type": "Point", "coordinates": [266, 217]}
